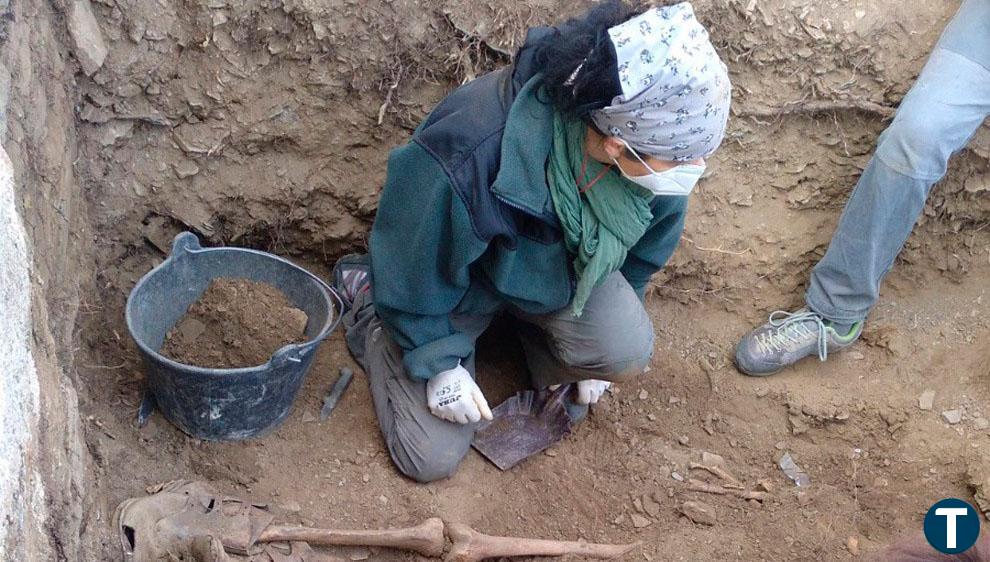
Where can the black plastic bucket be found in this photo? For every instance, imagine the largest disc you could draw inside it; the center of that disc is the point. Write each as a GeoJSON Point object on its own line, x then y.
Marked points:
{"type": "Point", "coordinates": [224, 404]}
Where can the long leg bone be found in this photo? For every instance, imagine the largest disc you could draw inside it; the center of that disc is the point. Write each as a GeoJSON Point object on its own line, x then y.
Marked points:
{"type": "Point", "coordinates": [472, 546]}
{"type": "Point", "coordinates": [426, 539]}
{"type": "Point", "coordinates": [699, 486]}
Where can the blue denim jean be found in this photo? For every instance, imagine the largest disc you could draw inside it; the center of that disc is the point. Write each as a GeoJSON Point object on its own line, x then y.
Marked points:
{"type": "Point", "coordinates": [937, 117]}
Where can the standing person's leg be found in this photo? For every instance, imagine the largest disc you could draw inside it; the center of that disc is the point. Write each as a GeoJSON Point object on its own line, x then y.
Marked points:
{"type": "Point", "coordinates": [612, 340]}
{"type": "Point", "coordinates": [937, 117]}
{"type": "Point", "coordinates": [423, 447]}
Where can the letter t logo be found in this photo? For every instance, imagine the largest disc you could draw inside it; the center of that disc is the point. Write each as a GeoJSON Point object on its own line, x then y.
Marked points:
{"type": "Point", "coordinates": [950, 514]}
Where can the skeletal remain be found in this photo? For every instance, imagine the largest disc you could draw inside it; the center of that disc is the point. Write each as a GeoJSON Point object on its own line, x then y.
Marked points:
{"type": "Point", "coordinates": [472, 546]}
{"type": "Point", "coordinates": [732, 481]}
{"type": "Point", "coordinates": [699, 486]}
{"type": "Point", "coordinates": [426, 539]}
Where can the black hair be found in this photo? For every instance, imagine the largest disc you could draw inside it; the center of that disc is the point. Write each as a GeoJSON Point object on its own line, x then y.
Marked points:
{"type": "Point", "coordinates": [583, 42]}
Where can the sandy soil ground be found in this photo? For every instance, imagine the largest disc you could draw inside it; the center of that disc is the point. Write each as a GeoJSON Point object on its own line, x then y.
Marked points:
{"type": "Point", "coordinates": [268, 124]}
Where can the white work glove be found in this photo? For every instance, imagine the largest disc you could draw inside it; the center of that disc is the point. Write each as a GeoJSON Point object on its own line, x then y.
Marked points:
{"type": "Point", "coordinates": [454, 396]}
{"type": "Point", "coordinates": [590, 390]}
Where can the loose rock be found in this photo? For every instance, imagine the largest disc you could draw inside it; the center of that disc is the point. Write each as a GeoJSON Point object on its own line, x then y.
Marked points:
{"type": "Point", "coordinates": [952, 416]}
{"type": "Point", "coordinates": [699, 512]}
{"type": "Point", "coordinates": [926, 400]}
{"type": "Point", "coordinates": [711, 459]}
{"type": "Point", "coordinates": [852, 544]}
{"type": "Point", "coordinates": [638, 521]}
{"type": "Point", "coordinates": [87, 39]}
{"type": "Point", "coordinates": [651, 506]}
{"type": "Point", "coordinates": [186, 168]}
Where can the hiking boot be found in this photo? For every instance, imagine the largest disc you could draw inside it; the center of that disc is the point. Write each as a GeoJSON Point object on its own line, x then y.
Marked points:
{"type": "Point", "coordinates": [789, 337]}
{"type": "Point", "coordinates": [352, 276]}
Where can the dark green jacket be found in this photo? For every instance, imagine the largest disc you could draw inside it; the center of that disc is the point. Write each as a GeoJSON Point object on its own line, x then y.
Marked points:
{"type": "Point", "coordinates": [466, 225]}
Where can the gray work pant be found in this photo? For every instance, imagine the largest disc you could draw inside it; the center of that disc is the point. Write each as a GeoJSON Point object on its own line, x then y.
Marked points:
{"type": "Point", "coordinates": [613, 339]}
{"type": "Point", "coordinates": [937, 118]}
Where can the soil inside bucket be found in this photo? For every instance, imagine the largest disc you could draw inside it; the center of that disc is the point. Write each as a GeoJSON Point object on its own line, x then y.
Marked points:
{"type": "Point", "coordinates": [235, 323]}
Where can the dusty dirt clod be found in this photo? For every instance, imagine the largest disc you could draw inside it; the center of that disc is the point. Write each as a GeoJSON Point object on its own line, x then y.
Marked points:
{"type": "Point", "coordinates": [699, 512]}
{"type": "Point", "coordinates": [235, 323]}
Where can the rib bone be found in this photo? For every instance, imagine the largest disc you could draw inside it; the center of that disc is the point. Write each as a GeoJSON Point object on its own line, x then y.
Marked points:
{"type": "Point", "coordinates": [426, 539]}
{"type": "Point", "coordinates": [472, 546]}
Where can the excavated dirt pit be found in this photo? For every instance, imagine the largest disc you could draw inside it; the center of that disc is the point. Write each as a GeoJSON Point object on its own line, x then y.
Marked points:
{"type": "Point", "coordinates": [267, 124]}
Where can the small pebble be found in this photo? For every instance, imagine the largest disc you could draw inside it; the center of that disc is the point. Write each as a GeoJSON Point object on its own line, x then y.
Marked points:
{"type": "Point", "coordinates": [852, 543]}
{"type": "Point", "coordinates": [711, 459]}
{"type": "Point", "coordinates": [980, 424]}
{"type": "Point", "coordinates": [926, 400]}
{"type": "Point", "coordinates": [638, 521]}
{"type": "Point", "coordinates": [677, 476]}
{"type": "Point", "coordinates": [652, 507]}
{"type": "Point", "coordinates": [186, 168]}
{"type": "Point", "coordinates": [952, 416]}
{"type": "Point", "coordinates": [643, 394]}
{"type": "Point", "coordinates": [683, 440]}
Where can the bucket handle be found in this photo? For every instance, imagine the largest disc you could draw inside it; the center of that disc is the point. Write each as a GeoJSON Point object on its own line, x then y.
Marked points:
{"type": "Point", "coordinates": [295, 352]}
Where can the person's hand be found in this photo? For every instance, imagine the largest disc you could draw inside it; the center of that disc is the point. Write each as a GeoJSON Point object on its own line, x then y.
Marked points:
{"type": "Point", "coordinates": [590, 390]}
{"type": "Point", "coordinates": [454, 396]}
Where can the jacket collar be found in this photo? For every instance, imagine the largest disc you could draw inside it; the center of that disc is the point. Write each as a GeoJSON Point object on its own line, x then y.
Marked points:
{"type": "Point", "coordinates": [526, 142]}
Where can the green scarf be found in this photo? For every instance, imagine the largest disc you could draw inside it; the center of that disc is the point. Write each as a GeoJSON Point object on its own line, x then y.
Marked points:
{"type": "Point", "coordinates": [601, 224]}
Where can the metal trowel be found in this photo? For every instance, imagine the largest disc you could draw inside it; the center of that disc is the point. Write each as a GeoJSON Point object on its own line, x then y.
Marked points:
{"type": "Point", "coordinates": [525, 424]}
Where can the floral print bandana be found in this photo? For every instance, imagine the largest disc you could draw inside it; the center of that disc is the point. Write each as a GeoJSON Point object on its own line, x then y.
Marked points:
{"type": "Point", "coordinates": [675, 89]}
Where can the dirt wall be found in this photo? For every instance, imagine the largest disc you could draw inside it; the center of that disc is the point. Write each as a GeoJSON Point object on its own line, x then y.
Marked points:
{"type": "Point", "coordinates": [45, 239]}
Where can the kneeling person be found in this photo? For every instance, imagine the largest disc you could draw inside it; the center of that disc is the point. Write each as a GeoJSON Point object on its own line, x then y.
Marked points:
{"type": "Point", "coordinates": [551, 190]}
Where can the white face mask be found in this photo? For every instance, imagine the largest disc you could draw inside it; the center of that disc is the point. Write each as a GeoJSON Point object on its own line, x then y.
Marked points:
{"type": "Point", "coordinates": [678, 181]}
